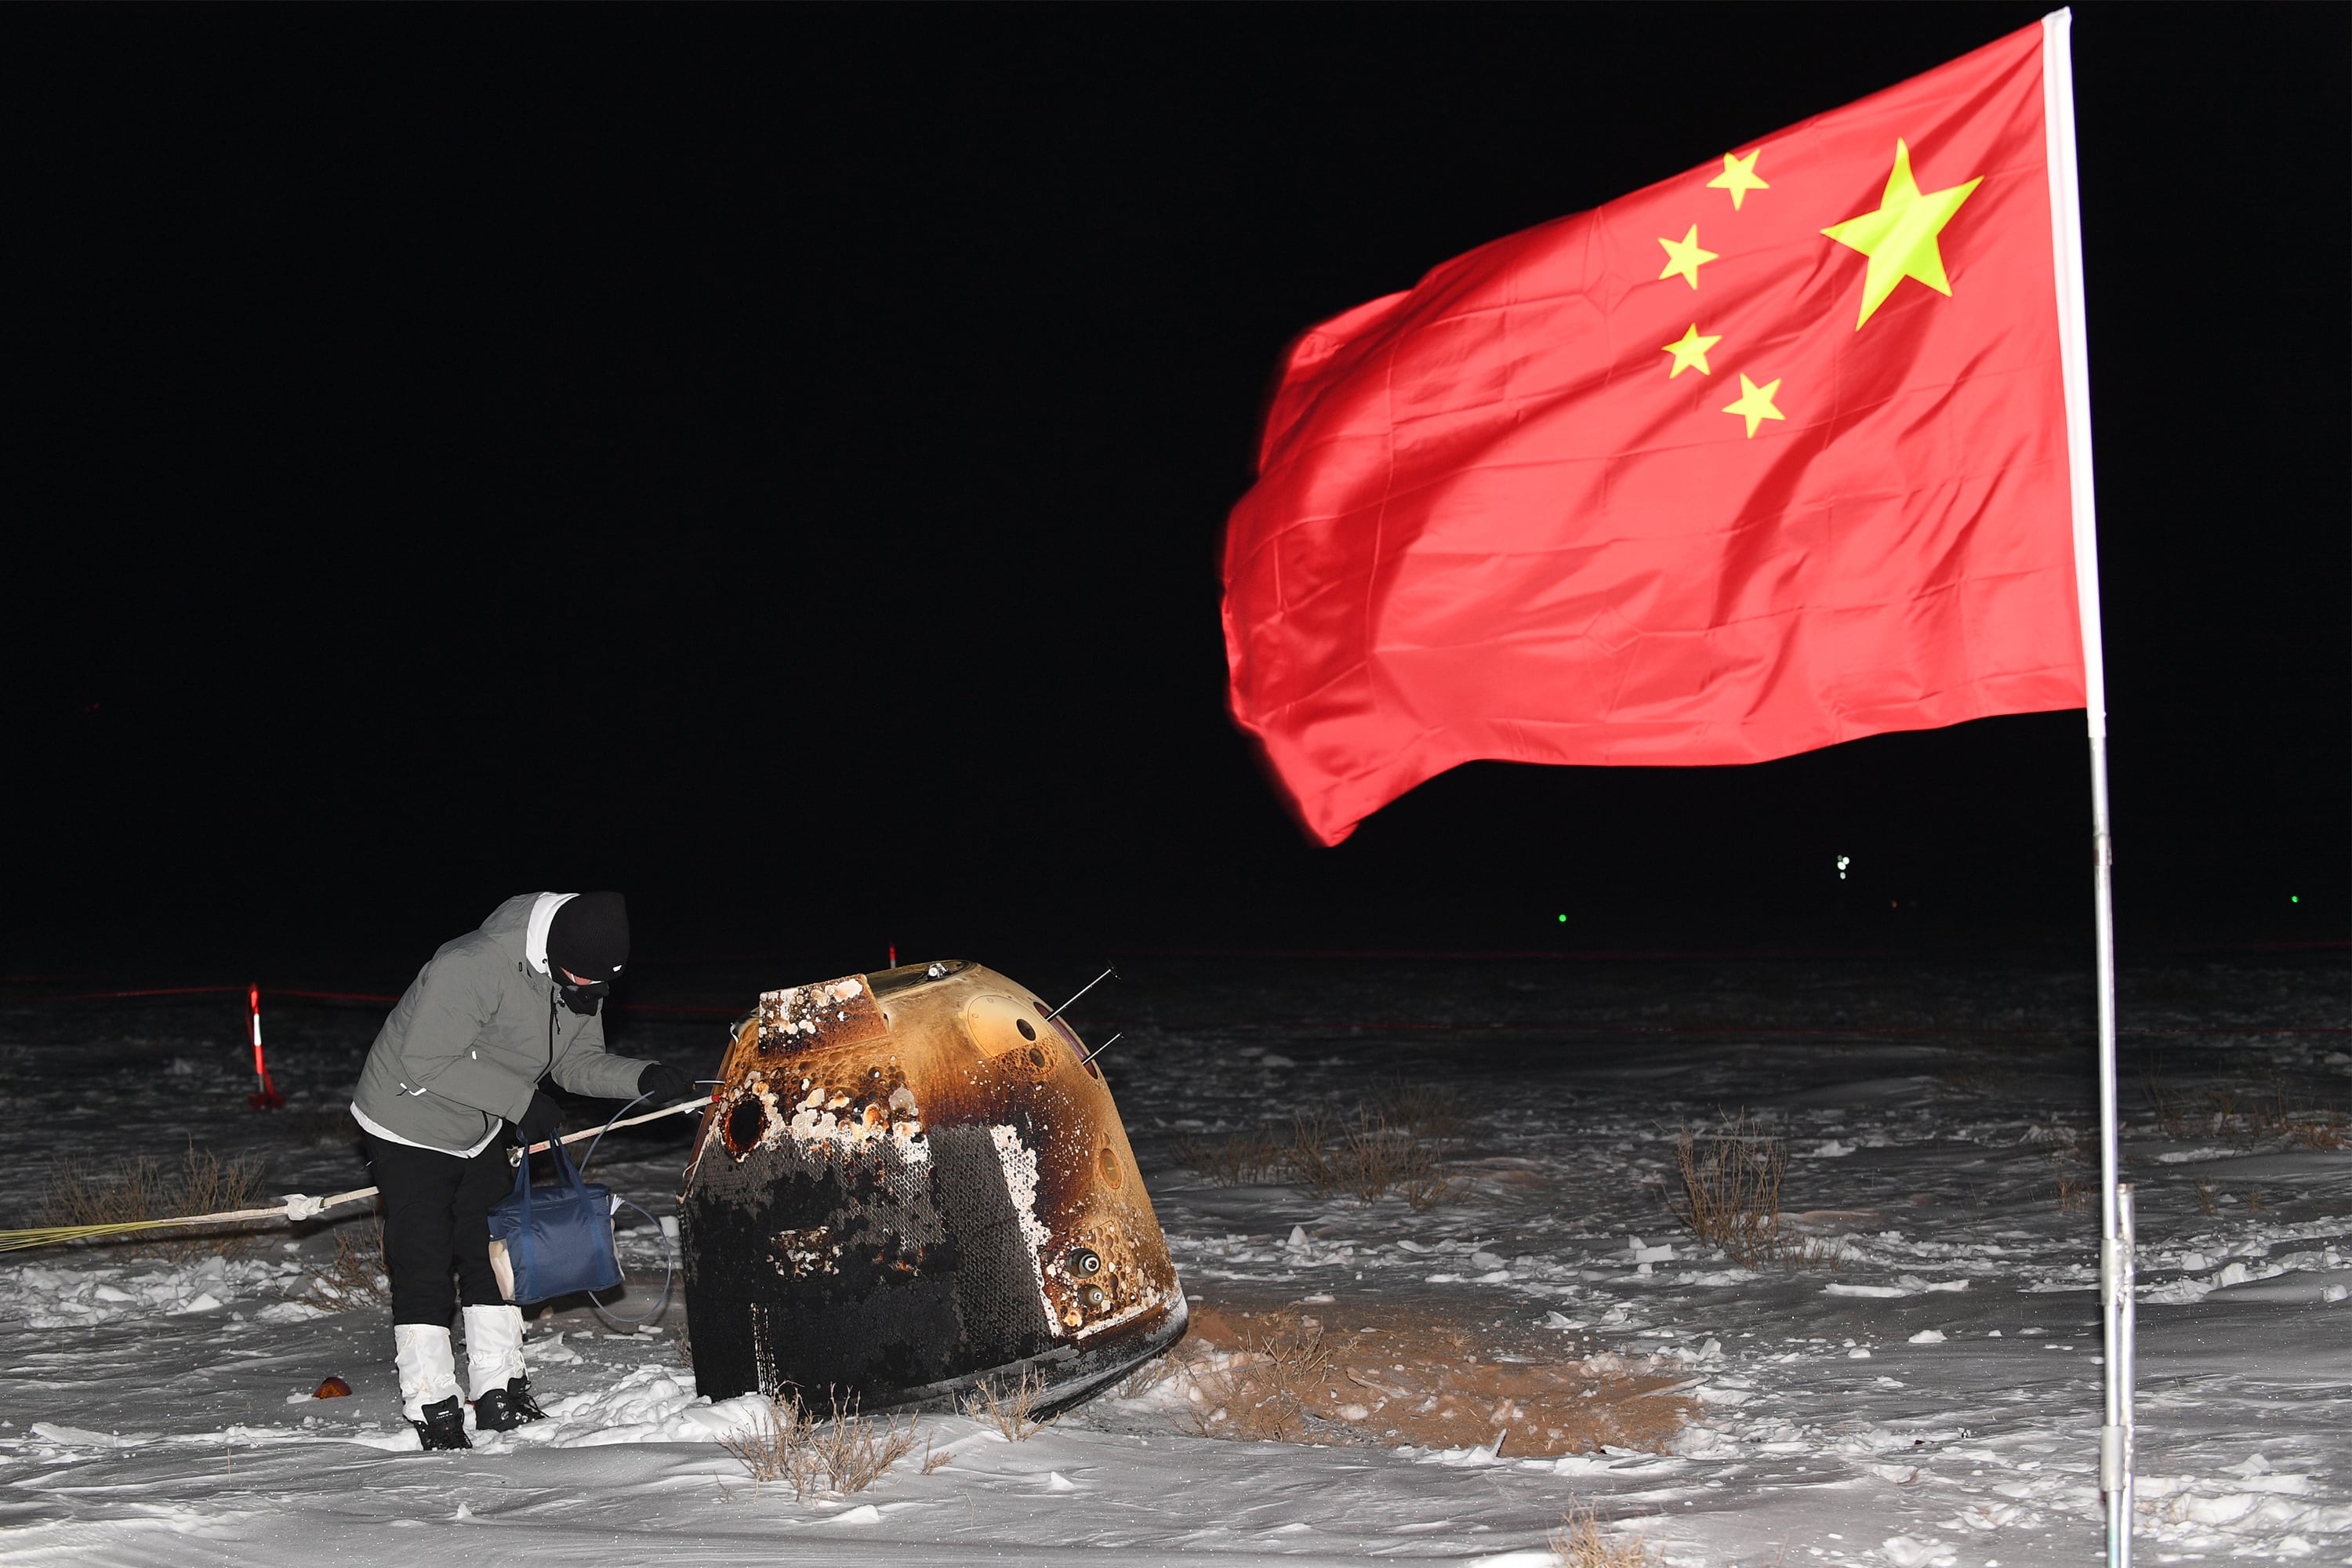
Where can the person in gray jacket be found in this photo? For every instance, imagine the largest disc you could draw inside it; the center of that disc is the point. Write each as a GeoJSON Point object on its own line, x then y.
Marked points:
{"type": "Point", "coordinates": [459, 1061]}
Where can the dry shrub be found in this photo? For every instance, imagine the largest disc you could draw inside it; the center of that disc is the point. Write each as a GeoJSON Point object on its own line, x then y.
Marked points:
{"type": "Point", "coordinates": [1731, 1189]}
{"type": "Point", "coordinates": [356, 1276]}
{"type": "Point", "coordinates": [1239, 1160]}
{"type": "Point", "coordinates": [1148, 1375]}
{"type": "Point", "coordinates": [2208, 1198]}
{"type": "Point", "coordinates": [2320, 1129]}
{"type": "Point", "coordinates": [2224, 1118]}
{"type": "Point", "coordinates": [2172, 1111]}
{"type": "Point", "coordinates": [844, 1454]}
{"type": "Point", "coordinates": [142, 1188]}
{"type": "Point", "coordinates": [1811, 1252]}
{"type": "Point", "coordinates": [1263, 1393]}
{"type": "Point", "coordinates": [1011, 1408]}
{"type": "Point", "coordinates": [1412, 1376]}
{"type": "Point", "coordinates": [1390, 1146]}
{"type": "Point", "coordinates": [1579, 1544]}
{"type": "Point", "coordinates": [1426, 1110]}
{"type": "Point", "coordinates": [1367, 1159]}
{"type": "Point", "coordinates": [2074, 1194]}
{"type": "Point", "coordinates": [2245, 1118]}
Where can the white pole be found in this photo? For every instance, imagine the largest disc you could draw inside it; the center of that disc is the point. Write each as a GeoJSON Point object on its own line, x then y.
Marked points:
{"type": "Point", "coordinates": [2114, 1243]}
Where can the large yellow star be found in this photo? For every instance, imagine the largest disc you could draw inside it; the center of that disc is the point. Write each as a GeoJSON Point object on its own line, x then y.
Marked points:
{"type": "Point", "coordinates": [1900, 237]}
{"type": "Point", "coordinates": [1739, 178]}
{"type": "Point", "coordinates": [1690, 352]}
{"type": "Point", "coordinates": [1684, 257]}
{"type": "Point", "coordinates": [1755, 403]}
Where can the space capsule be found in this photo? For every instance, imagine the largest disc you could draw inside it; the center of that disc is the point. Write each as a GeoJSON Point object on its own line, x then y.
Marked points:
{"type": "Point", "coordinates": [911, 1181]}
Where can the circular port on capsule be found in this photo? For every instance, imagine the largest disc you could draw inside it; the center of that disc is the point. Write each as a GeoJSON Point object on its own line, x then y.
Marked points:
{"type": "Point", "coordinates": [1028, 1030]}
{"type": "Point", "coordinates": [746, 1125]}
{"type": "Point", "coordinates": [1094, 1297]}
{"type": "Point", "coordinates": [1084, 1262]}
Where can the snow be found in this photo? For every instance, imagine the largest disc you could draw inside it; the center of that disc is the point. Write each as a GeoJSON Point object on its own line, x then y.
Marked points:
{"type": "Point", "coordinates": [1922, 1392]}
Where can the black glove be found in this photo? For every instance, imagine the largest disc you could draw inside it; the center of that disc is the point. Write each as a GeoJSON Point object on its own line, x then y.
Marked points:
{"type": "Point", "coordinates": [541, 1121]}
{"type": "Point", "coordinates": [664, 1084]}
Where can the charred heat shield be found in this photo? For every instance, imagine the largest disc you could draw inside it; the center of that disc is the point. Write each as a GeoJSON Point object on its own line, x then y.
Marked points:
{"type": "Point", "coordinates": [911, 1180]}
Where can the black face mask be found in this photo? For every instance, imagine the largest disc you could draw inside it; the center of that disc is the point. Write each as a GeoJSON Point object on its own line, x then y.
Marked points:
{"type": "Point", "coordinates": [583, 999]}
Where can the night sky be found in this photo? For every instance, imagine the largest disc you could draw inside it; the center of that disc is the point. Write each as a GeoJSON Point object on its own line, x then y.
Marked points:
{"type": "Point", "coordinates": [773, 461]}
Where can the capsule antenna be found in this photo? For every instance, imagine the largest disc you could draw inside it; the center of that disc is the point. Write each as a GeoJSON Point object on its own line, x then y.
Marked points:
{"type": "Point", "coordinates": [1101, 1048]}
{"type": "Point", "coordinates": [1089, 986]}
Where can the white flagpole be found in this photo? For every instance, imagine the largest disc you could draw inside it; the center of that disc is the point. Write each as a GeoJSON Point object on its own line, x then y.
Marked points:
{"type": "Point", "coordinates": [2115, 1201]}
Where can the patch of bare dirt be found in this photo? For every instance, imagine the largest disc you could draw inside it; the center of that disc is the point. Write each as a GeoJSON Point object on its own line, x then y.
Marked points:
{"type": "Point", "coordinates": [1367, 1372]}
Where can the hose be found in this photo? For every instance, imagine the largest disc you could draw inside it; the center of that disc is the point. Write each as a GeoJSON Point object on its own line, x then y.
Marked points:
{"type": "Point", "coordinates": [669, 1258]}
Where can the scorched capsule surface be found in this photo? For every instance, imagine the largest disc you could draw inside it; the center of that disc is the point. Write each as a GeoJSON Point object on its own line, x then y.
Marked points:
{"type": "Point", "coordinates": [909, 1182]}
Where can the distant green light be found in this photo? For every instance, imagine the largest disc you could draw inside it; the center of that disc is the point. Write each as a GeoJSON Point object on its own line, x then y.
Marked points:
{"type": "Point", "coordinates": [2291, 897]}
{"type": "Point", "coordinates": [1563, 919]}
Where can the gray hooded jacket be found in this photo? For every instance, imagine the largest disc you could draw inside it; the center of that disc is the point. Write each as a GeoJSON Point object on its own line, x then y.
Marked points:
{"type": "Point", "coordinates": [475, 1032]}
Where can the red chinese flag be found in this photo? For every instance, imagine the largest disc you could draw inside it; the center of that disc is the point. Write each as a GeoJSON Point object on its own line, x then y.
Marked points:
{"type": "Point", "coordinates": [1769, 456]}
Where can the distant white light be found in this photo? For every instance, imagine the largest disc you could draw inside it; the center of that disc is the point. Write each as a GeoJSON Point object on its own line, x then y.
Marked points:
{"type": "Point", "coordinates": [1843, 861]}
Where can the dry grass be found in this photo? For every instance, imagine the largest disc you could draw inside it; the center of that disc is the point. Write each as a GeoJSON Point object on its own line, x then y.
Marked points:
{"type": "Point", "coordinates": [1011, 1408]}
{"type": "Point", "coordinates": [1731, 1189]}
{"type": "Point", "coordinates": [1238, 1160]}
{"type": "Point", "coordinates": [1974, 1081]}
{"type": "Point", "coordinates": [842, 1454]}
{"type": "Point", "coordinates": [1150, 1375]}
{"type": "Point", "coordinates": [2062, 1149]}
{"type": "Point", "coordinates": [1579, 1544]}
{"type": "Point", "coordinates": [2174, 1116]}
{"type": "Point", "coordinates": [1809, 1252]}
{"type": "Point", "coordinates": [2246, 1118]}
{"type": "Point", "coordinates": [354, 1278]}
{"type": "Point", "coordinates": [1264, 1392]}
{"type": "Point", "coordinates": [144, 1188]}
{"type": "Point", "coordinates": [1426, 1110]}
{"type": "Point", "coordinates": [1406, 1375]}
{"type": "Point", "coordinates": [2322, 1130]}
{"type": "Point", "coordinates": [1392, 1144]}
{"type": "Point", "coordinates": [2208, 1198]}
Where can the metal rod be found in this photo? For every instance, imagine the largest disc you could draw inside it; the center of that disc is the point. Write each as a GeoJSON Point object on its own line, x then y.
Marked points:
{"type": "Point", "coordinates": [2125, 1341]}
{"type": "Point", "coordinates": [1101, 1048]}
{"type": "Point", "coordinates": [1089, 986]}
{"type": "Point", "coordinates": [2074, 374]}
{"type": "Point", "coordinates": [2115, 1249]}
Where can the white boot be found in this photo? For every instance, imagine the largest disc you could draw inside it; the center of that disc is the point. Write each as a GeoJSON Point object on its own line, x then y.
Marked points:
{"type": "Point", "coordinates": [429, 1370]}
{"type": "Point", "coordinates": [493, 1347]}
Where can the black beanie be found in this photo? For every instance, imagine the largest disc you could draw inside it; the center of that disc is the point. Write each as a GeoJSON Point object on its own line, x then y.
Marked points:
{"type": "Point", "coordinates": [590, 936]}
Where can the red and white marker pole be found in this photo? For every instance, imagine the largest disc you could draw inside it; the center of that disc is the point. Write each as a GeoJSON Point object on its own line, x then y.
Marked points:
{"type": "Point", "coordinates": [266, 1096]}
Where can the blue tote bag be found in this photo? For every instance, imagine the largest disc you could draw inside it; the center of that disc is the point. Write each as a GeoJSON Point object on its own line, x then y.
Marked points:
{"type": "Point", "coordinates": [557, 1238]}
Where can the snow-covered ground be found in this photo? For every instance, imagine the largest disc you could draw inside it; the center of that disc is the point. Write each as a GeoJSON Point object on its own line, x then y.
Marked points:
{"type": "Point", "coordinates": [1930, 1399]}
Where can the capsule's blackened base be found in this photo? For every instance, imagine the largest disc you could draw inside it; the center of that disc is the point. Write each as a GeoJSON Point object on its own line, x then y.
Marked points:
{"type": "Point", "coordinates": [727, 1358]}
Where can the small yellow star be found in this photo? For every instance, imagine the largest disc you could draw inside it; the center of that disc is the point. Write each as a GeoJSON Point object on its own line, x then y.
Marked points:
{"type": "Point", "coordinates": [1755, 403]}
{"type": "Point", "coordinates": [1684, 257]}
{"type": "Point", "coordinates": [1900, 237]}
{"type": "Point", "coordinates": [1739, 178]}
{"type": "Point", "coordinates": [1690, 354]}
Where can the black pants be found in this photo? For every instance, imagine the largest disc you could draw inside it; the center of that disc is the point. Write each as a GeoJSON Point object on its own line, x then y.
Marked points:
{"type": "Point", "coordinates": [437, 1217]}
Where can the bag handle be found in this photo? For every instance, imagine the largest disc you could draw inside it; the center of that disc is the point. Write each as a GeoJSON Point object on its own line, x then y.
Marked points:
{"type": "Point", "coordinates": [519, 1250]}
{"type": "Point", "coordinates": [566, 1175]}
